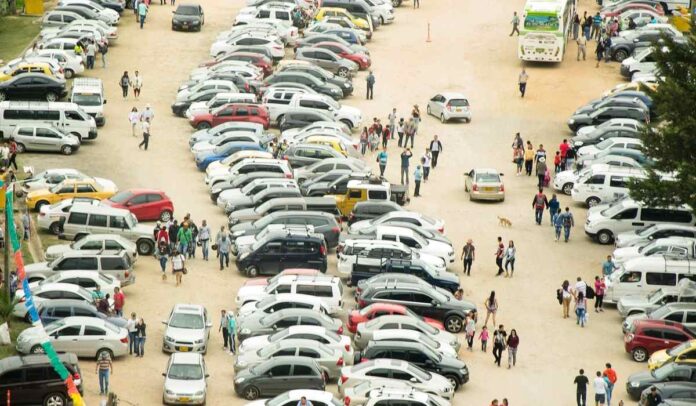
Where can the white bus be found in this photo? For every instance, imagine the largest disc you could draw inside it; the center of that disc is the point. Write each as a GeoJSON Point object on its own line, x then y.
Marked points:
{"type": "Point", "coordinates": [546, 25]}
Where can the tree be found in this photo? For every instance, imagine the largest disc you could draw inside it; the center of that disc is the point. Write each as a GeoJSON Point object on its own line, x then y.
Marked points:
{"type": "Point", "coordinates": [671, 142]}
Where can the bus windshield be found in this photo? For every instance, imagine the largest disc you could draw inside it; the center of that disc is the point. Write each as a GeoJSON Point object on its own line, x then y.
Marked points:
{"type": "Point", "coordinates": [541, 22]}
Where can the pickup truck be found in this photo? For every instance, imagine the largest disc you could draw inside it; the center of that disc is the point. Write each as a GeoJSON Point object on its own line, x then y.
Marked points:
{"type": "Point", "coordinates": [371, 189]}
{"type": "Point", "coordinates": [365, 269]}
{"type": "Point", "coordinates": [350, 116]}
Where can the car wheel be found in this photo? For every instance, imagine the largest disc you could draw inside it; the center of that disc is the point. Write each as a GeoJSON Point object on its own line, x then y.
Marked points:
{"type": "Point", "coordinates": [203, 126]}
{"type": "Point", "coordinates": [68, 73]}
{"type": "Point", "coordinates": [54, 399]}
{"type": "Point", "coordinates": [605, 237]}
{"type": "Point", "coordinates": [54, 228]}
{"type": "Point", "coordinates": [639, 354]}
{"type": "Point", "coordinates": [592, 201]}
{"type": "Point", "coordinates": [51, 97]}
{"type": "Point", "coordinates": [568, 188]}
{"type": "Point", "coordinates": [66, 150]}
{"type": "Point", "coordinates": [280, 120]}
{"type": "Point", "coordinates": [165, 216]}
{"type": "Point", "coordinates": [343, 72]}
{"type": "Point", "coordinates": [453, 381]}
{"type": "Point", "coordinates": [620, 55]}
{"type": "Point", "coordinates": [251, 393]}
{"type": "Point", "coordinates": [348, 124]}
{"type": "Point", "coordinates": [453, 324]}
{"type": "Point", "coordinates": [145, 247]}
{"type": "Point", "coordinates": [252, 271]}
{"type": "Point", "coordinates": [37, 349]}
{"type": "Point", "coordinates": [40, 204]}
{"type": "Point", "coordinates": [20, 147]}
{"type": "Point", "coordinates": [443, 120]}
{"type": "Point", "coordinates": [3, 96]}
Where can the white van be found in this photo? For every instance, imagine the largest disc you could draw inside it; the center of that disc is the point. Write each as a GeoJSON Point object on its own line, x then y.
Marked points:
{"type": "Point", "coordinates": [640, 276]}
{"type": "Point", "coordinates": [603, 184]}
{"type": "Point", "coordinates": [68, 117]}
{"type": "Point", "coordinates": [88, 93]}
{"type": "Point", "coordinates": [629, 215]}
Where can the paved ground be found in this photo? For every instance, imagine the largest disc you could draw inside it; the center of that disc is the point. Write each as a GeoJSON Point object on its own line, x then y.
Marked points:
{"type": "Point", "coordinates": [470, 52]}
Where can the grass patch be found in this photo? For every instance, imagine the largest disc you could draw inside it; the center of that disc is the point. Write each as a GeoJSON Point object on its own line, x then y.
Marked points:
{"type": "Point", "coordinates": [16, 327]}
{"type": "Point", "coordinates": [17, 33]}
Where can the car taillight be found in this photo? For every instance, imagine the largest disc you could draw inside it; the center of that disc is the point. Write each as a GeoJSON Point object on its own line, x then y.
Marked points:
{"type": "Point", "coordinates": [346, 401]}
{"type": "Point", "coordinates": [363, 359]}
{"type": "Point", "coordinates": [441, 230]}
{"type": "Point", "coordinates": [340, 330]}
{"type": "Point", "coordinates": [502, 187]}
{"type": "Point", "coordinates": [449, 107]}
{"type": "Point", "coordinates": [76, 377]}
{"type": "Point", "coordinates": [126, 274]}
{"type": "Point", "coordinates": [474, 187]}
{"type": "Point", "coordinates": [246, 86]}
{"type": "Point", "coordinates": [340, 362]}
{"type": "Point", "coordinates": [288, 175]}
{"type": "Point", "coordinates": [344, 378]}
{"type": "Point", "coordinates": [322, 250]}
{"type": "Point", "coordinates": [124, 340]}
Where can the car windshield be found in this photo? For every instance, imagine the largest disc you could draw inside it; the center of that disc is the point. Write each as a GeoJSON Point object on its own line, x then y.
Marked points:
{"type": "Point", "coordinates": [418, 373]}
{"type": "Point", "coordinates": [654, 295]}
{"type": "Point", "coordinates": [186, 372]}
{"type": "Point", "coordinates": [279, 335]}
{"type": "Point", "coordinates": [187, 11]}
{"type": "Point", "coordinates": [87, 99]}
{"type": "Point", "coordinates": [279, 400]}
{"type": "Point", "coordinates": [646, 246]}
{"type": "Point", "coordinates": [613, 210]}
{"type": "Point", "coordinates": [487, 178]}
{"type": "Point", "coordinates": [57, 188]}
{"type": "Point", "coordinates": [268, 351]}
{"type": "Point", "coordinates": [678, 349]}
{"type": "Point", "coordinates": [645, 231]}
{"type": "Point", "coordinates": [131, 220]}
{"type": "Point", "coordinates": [186, 320]}
{"type": "Point", "coordinates": [121, 197]}
{"type": "Point", "coordinates": [50, 328]}
{"type": "Point", "coordinates": [605, 144]}
{"type": "Point", "coordinates": [265, 302]}
{"type": "Point", "coordinates": [663, 373]}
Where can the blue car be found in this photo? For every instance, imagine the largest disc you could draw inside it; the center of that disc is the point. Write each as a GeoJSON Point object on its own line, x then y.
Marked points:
{"type": "Point", "coordinates": [223, 151]}
{"type": "Point", "coordinates": [347, 35]}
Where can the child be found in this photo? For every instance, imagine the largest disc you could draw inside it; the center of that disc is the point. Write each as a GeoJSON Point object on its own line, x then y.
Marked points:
{"type": "Point", "coordinates": [557, 162]}
{"type": "Point", "coordinates": [483, 336]}
{"type": "Point", "coordinates": [374, 141]}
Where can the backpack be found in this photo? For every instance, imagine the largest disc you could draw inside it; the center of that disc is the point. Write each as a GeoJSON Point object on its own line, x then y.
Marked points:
{"type": "Point", "coordinates": [589, 293]}
{"type": "Point", "coordinates": [539, 201]}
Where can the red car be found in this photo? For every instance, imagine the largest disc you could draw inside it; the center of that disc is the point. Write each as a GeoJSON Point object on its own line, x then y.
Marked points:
{"type": "Point", "coordinates": [289, 271]}
{"type": "Point", "coordinates": [343, 51]}
{"type": "Point", "coordinates": [145, 204]}
{"type": "Point", "coordinates": [384, 309]}
{"type": "Point", "coordinates": [644, 337]}
{"type": "Point", "coordinates": [252, 113]}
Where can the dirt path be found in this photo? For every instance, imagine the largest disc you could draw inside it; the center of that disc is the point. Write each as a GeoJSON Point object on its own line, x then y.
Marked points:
{"type": "Point", "coordinates": [470, 52]}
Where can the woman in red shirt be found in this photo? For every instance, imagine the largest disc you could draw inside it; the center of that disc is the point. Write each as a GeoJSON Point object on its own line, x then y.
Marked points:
{"type": "Point", "coordinates": [599, 287]}
{"type": "Point", "coordinates": [119, 301]}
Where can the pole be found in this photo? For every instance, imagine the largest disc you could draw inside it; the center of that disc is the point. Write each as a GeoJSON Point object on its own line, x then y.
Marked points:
{"type": "Point", "coordinates": [428, 39]}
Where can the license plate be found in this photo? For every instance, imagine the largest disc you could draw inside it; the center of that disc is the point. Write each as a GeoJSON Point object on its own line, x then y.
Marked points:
{"type": "Point", "coordinates": [489, 189]}
{"type": "Point", "coordinates": [184, 399]}
{"type": "Point", "coordinates": [184, 349]}
{"type": "Point", "coordinates": [459, 110]}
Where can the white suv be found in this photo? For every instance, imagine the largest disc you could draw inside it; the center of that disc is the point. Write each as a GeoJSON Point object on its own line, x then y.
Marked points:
{"type": "Point", "coordinates": [249, 165]}
{"type": "Point", "coordinates": [326, 287]}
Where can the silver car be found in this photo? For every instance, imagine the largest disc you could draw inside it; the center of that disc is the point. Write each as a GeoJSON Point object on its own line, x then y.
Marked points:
{"type": "Point", "coordinates": [448, 106]}
{"type": "Point", "coordinates": [44, 138]}
{"type": "Point", "coordinates": [315, 333]}
{"type": "Point", "coordinates": [327, 60]}
{"type": "Point", "coordinates": [93, 244]}
{"type": "Point", "coordinates": [188, 329]}
{"type": "Point", "coordinates": [484, 184]}
{"type": "Point", "coordinates": [83, 336]}
{"type": "Point", "coordinates": [330, 360]}
{"type": "Point", "coordinates": [261, 323]}
{"type": "Point", "coordinates": [185, 380]}
{"type": "Point", "coordinates": [366, 330]}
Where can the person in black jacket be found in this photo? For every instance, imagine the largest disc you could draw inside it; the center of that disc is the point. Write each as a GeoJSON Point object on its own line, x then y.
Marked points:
{"type": "Point", "coordinates": [173, 235]}
{"type": "Point", "coordinates": [435, 150]}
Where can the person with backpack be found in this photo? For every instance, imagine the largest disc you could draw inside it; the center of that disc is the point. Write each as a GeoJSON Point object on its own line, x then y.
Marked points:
{"type": "Point", "coordinates": [125, 83]}
{"type": "Point", "coordinates": [178, 266]}
{"type": "Point", "coordinates": [162, 255]}
{"type": "Point", "coordinates": [568, 222]}
{"type": "Point", "coordinates": [539, 203]}
{"type": "Point", "coordinates": [103, 49]}
{"type": "Point", "coordinates": [564, 296]}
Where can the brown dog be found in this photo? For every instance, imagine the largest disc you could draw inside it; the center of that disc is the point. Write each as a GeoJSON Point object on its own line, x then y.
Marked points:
{"type": "Point", "coordinates": [504, 222]}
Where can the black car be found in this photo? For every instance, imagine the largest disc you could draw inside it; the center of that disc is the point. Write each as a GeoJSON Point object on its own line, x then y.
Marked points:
{"type": "Point", "coordinates": [279, 375]}
{"type": "Point", "coordinates": [371, 209]}
{"type": "Point", "coordinates": [33, 86]}
{"type": "Point", "coordinates": [322, 74]}
{"type": "Point", "coordinates": [240, 181]}
{"type": "Point", "coordinates": [612, 102]}
{"type": "Point", "coordinates": [599, 116]}
{"type": "Point", "coordinates": [671, 372]}
{"type": "Point", "coordinates": [188, 17]}
{"type": "Point", "coordinates": [417, 267]}
{"type": "Point", "coordinates": [674, 390]}
{"type": "Point", "coordinates": [435, 303]}
{"type": "Point", "coordinates": [298, 118]}
{"type": "Point", "coordinates": [31, 380]}
{"type": "Point", "coordinates": [307, 79]}
{"type": "Point", "coordinates": [420, 355]}
{"type": "Point", "coordinates": [179, 107]}
{"type": "Point", "coordinates": [323, 223]}
{"type": "Point", "coordinates": [282, 251]}
{"type": "Point", "coordinates": [623, 47]}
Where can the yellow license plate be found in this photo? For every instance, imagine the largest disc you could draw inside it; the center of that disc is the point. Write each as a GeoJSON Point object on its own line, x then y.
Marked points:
{"type": "Point", "coordinates": [489, 189]}
{"type": "Point", "coordinates": [184, 349]}
{"type": "Point", "coordinates": [184, 399]}
{"type": "Point", "coordinates": [459, 110]}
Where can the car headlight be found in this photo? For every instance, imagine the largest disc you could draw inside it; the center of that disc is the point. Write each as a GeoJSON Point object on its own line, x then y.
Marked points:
{"type": "Point", "coordinates": [571, 121]}
{"type": "Point", "coordinates": [198, 341]}
{"type": "Point", "coordinates": [241, 257]}
{"type": "Point", "coordinates": [245, 331]}
{"type": "Point", "coordinates": [634, 384]}
{"type": "Point", "coordinates": [168, 392]}
{"type": "Point", "coordinates": [199, 393]}
{"type": "Point", "coordinates": [448, 389]}
{"type": "Point", "coordinates": [239, 380]}
{"type": "Point", "coordinates": [454, 343]}
{"type": "Point", "coordinates": [578, 143]}
{"type": "Point", "coordinates": [167, 338]}
{"type": "Point", "coordinates": [238, 233]}
{"type": "Point", "coordinates": [346, 85]}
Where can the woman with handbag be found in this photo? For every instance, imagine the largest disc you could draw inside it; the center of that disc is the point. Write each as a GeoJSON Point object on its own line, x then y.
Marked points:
{"type": "Point", "coordinates": [178, 266]}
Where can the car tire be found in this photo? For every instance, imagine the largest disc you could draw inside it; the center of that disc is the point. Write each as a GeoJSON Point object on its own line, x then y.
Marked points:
{"type": "Point", "coordinates": [203, 126]}
{"type": "Point", "coordinates": [37, 349]}
{"type": "Point", "coordinates": [39, 204]}
{"type": "Point", "coordinates": [66, 150]}
{"type": "Point", "coordinates": [567, 188]}
{"type": "Point", "coordinates": [3, 96]}
{"type": "Point", "coordinates": [252, 271]}
{"type": "Point", "coordinates": [620, 55]}
{"type": "Point", "coordinates": [68, 73]}
{"type": "Point", "coordinates": [592, 201]}
{"type": "Point", "coordinates": [54, 399]}
{"type": "Point", "coordinates": [639, 354]}
{"type": "Point", "coordinates": [20, 147]}
{"type": "Point", "coordinates": [104, 351]}
{"type": "Point", "coordinates": [51, 97]}
{"type": "Point", "coordinates": [443, 120]}
{"type": "Point", "coordinates": [454, 324]}
{"type": "Point", "coordinates": [605, 237]}
{"type": "Point", "coordinates": [55, 228]}
{"type": "Point", "coordinates": [251, 393]}
{"type": "Point", "coordinates": [145, 247]}
{"type": "Point", "coordinates": [165, 216]}
{"type": "Point", "coordinates": [453, 380]}
{"type": "Point", "coordinates": [343, 72]}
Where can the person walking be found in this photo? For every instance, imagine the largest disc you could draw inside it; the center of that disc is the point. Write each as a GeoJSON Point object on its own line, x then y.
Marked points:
{"type": "Point", "coordinates": [599, 52]}
{"type": "Point", "coordinates": [370, 80]}
{"type": "Point", "coordinates": [529, 158]}
{"type": "Point", "coordinates": [510, 259]}
{"type": "Point", "coordinates": [410, 130]}
{"type": "Point", "coordinates": [392, 121]}
{"type": "Point", "coordinates": [582, 47]}
{"type": "Point", "coordinates": [91, 53]}
{"type": "Point", "coordinates": [12, 162]}
{"type": "Point", "coordinates": [435, 150]}
{"type": "Point", "coordinates": [417, 177]}
{"type": "Point", "coordinates": [364, 139]}
{"type": "Point", "coordinates": [522, 82]}
{"type": "Point", "coordinates": [608, 266]}
{"type": "Point", "coordinates": [554, 207]}
{"type": "Point", "coordinates": [224, 327]}
{"type": "Point", "coordinates": [132, 330]}
{"type": "Point", "coordinates": [134, 119]}
{"type": "Point", "coordinates": [499, 342]}
{"type": "Point", "coordinates": [103, 49]}
{"type": "Point", "coordinates": [224, 244]}
{"type": "Point", "coordinates": [178, 266]}
{"type": "Point", "coordinates": [148, 113]}
{"type": "Point", "coordinates": [499, 254]}
{"type": "Point", "coordinates": [382, 160]}
{"type": "Point", "coordinates": [162, 255]}
{"type": "Point", "coordinates": [142, 13]}
{"type": "Point", "coordinates": [145, 126]}
{"type": "Point", "coordinates": [541, 172]}
{"type": "Point", "coordinates": [515, 24]}
{"type": "Point", "coordinates": [576, 26]}
{"type": "Point", "coordinates": [610, 374]}
{"type": "Point", "coordinates": [232, 329]}
{"type": "Point", "coordinates": [204, 238]}
{"type": "Point", "coordinates": [184, 237]}
{"type": "Point", "coordinates": [468, 256]}
{"type": "Point", "coordinates": [125, 83]}
{"type": "Point", "coordinates": [470, 330]}
{"type": "Point", "coordinates": [580, 309]}
{"type": "Point", "coordinates": [596, 26]}
{"type": "Point", "coordinates": [400, 129]}
{"type": "Point", "coordinates": [599, 286]}
{"type": "Point", "coordinates": [568, 222]}
{"type": "Point", "coordinates": [539, 203]}
{"type": "Point", "coordinates": [491, 305]}
{"type": "Point", "coordinates": [483, 336]}
{"type": "Point", "coordinates": [405, 160]}
{"type": "Point", "coordinates": [119, 301]}
{"type": "Point", "coordinates": [600, 389]}
{"type": "Point", "coordinates": [104, 369]}
{"type": "Point", "coordinates": [565, 296]}
{"type": "Point", "coordinates": [426, 161]}
{"type": "Point", "coordinates": [581, 383]}
{"type": "Point", "coordinates": [137, 86]}
{"type": "Point", "coordinates": [518, 159]}
{"type": "Point", "coordinates": [140, 337]}
{"type": "Point", "coordinates": [513, 341]}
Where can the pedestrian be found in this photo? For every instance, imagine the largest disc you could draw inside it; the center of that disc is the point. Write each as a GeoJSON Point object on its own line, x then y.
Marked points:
{"type": "Point", "coordinates": [410, 131]}
{"type": "Point", "coordinates": [558, 226]}
{"type": "Point", "coordinates": [370, 80]}
{"type": "Point", "coordinates": [137, 86]}
{"type": "Point", "coordinates": [435, 149]}
{"type": "Point", "coordinates": [400, 128]}
{"type": "Point", "coordinates": [426, 161]}
{"type": "Point", "coordinates": [576, 26]}
{"type": "Point", "coordinates": [565, 295]}
{"type": "Point", "coordinates": [405, 160]}
{"type": "Point", "coordinates": [580, 309]}
{"type": "Point", "coordinates": [415, 113]}
{"type": "Point", "coordinates": [184, 237]}
{"type": "Point", "coordinates": [468, 256]}
{"type": "Point", "coordinates": [529, 158]}
{"type": "Point", "coordinates": [483, 336]}
{"type": "Point", "coordinates": [632, 24]}
{"type": "Point", "coordinates": [134, 119]}
{"type": "Point", "coordinates": [510, 259]}
{"type": "Point", "coordinates": [119, 301]}
{"type": "Point", "coordinates": [581, 383]}
{"type": "Point", "coordinates": [563, 147]}
{"type": "Point", "coordinates": [103, 49]}
{"type": "Point", "coordinates": [91, 53]}
{"type": "Point", "coordinates": [600, 286]}
{"type": "Point", "coordinates": [132, 330]}
{"type": "Point", "coordinates": [515, 24]}
{"type": "Point", "coordinates": [104, 369]}
{"type": "Point", "coordinates": [148, 113]}
{"type": "Point", "coordinates": [513, 341]}
{"type": "Point", "coordinates": [363, 140]}
{"type": "Point", "coordinates": [470, 330]}
{"type": "Point", "coordinates": [136, 3]}
{"type": "Point", "coordinates": [557, 162]}
{"type": "Point", "coordinates": [145, 126]}
{"type": "Point", "coordinates": [382, 160]}
{"type": "Point", "coordinates": [178, 266]}
{"type": "Point", "coordinates": [223, 248]}
{"type": "Point", "coordinates": [373, 139]}
{"type": "Point", "coordinates": [499, 343]}
{"type": "Point", "coordinates": [600, 388]}
{"type": "Point", "coordinates": [392, 121]}
{"type": "Point", "coordinates": [653, 398]}
{"type": "Point", "coordinates": [491, 305]}
{"type": "Point", "coordinates": [568, 223]}
{"type": "Point", "coordinates": [608, 266]}
{"type": "Point", "coordinates": [140, 337]}
{"type": "Point", "coordinates": [97, 295]}
{"type": "Point", "coordinates": [142, 13]}
{"type": "Point", "coordinates": [417, 177]}
{"type": "Point", "coordinates": [26, 225]}
{"type": "Point", "coordinates": [599, 52]}
{"type": "Point", "coordinates": [582, 47]}
{"type": "Point", "coordinates": [518, 158]}
{"type": "Point", "coordinates": [124, 82]}
{"type": "Point", "coordinates": [522, 81]}
{"type": "Point", "coordinates": [610, 374]}
{"type": "Point", "coordinates": [541, 172]}
{"type": "Point", "coordinates": [554, 207]}
{"type": "Point", "coordinates": [224, 327]}
{"type": "Point", "coordinates": [494, 402]}
{"type": "Point", "coordinates": [539, 203]}
{"type": "Point", "coordinates": [13, 154]}
{"type": "Point", "coordinates": [386, 135]}
{"type": "Point", "coordinates": [232, 328]}
{"type": "Point", "coordinates": [570, 159]}
{"type": "Point", "coordinates": [499, 253]}
{"type": "Point", "coordinates": [163, 256]}
{"type": "Point", "coordinates": [596, 26]}
{"type": "Point", "coordinates": [204, 238]}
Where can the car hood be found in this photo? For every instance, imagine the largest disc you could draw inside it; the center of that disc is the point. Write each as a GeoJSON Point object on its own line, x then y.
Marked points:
{"type": "Point", "coordinates": [243, 227]}
{"type": "Point", "coordinates": [358, 225]}
{"type": "Point", "coordinates": [232, 194]}
{"type": "Point", "coordinates": [627, 237]}
{"type": "Point", "coordinates": [634, 301]}
{"type": "Point", "coordinates": [54, 251]}
{"type": "Point", "coordinates": [244, 244]}
{"type": "Point", "coordinates": [624, 254]}
{"type": "Point", "coordinates": [580, 117]}
{"type": "Point", "coordinates": [350, 110]}
{"type": "Point", "coordinates": [202, 146]}
{"type": "Point", "coordinates": [638, 316]}
{"type": "Point", "coordinates": [246, 310]}
{"type": "Point", "coordinates": [253, 343]}
{"type": "Point", "coordinates": [201, 155]}
{"type": "Point", "coordinates": [243, 214]}
{"type": "Point", "coordinates": [584, 131]}
{"type": "Point", "coordinates": [251, 291]}
{"type": "Point", "coordinates": [37, 267]}
{"type": "Point", "coordinates": [30, 335]}
{"type": "Point", "coordinates": [643, 378]}
{"type": "Point", "coordinates": [247, 359]}
{"type": "Point", "coordinates": [181, 386]}
{"type": "Point", "coordinates": [566, 176]}
{"type": "Point", "coordinates": [185, 334]}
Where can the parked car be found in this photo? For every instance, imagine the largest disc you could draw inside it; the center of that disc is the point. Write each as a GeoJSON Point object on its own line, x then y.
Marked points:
{"type": "Point", "coordinates": [366, 331]}
{"type": "Point", "coordinates": [330, 360]}
{"type": "Point", "coordinates": [449, 106]}
{"type": "Point", "coordinates": [357, 317]}
{"type": "Point", "coordinates": [429, 223]}
{"type": "Point", "coordinates": [257, 324]}
{"type": "Point", "coordinates": [300, 155]}
{"type": "Point", "coordinates": [39, 137]}
{"type": "Point", "coordinates": [188, 17]}
{"type": "Point", "coordinates": [50, 291]}
{"type": "Point", "coordinates": [318, 334]}
{"type": "Point", "coordinates": [86, 279]}
{"type": "Point", "coordinates": [280, 251]}
{"type": "Point", "coordinates": [360, 393]}
{"type": "Point", "coordinates": [684, 313]}
{"type": "Point", "coordinates": [185, 379]}
{"type": "Point", "coordinates": [188, 329]}
{"type": "Point", "coordinates": [280, 301]}
{"type": "Point", "coordinates": [673, 372]}
{"type": "Point", "coordinates": [69, 189]}
{"type": "Point", "coordinates": [145, 204]}
{"type": "Point", "coordinates": [645, 338]}
{"type": "Point", "coordinates": [328, 60]}
{"type": "Point", "coordinates": [634, 304]}
{"type": "Point", "coordinates": [93, 243]}
{"type": "Point", "coordinates": [232, 112]}
{"type": "Point", "coordinates": [652, 233]}
{"type": "Point", "coordinates": [58, 309]}
{"type": "Point", "coordinates": [279, 375]}
{"type": "Point", "coordinates": [597, 117]}
{"type": "Point", "coordinates": [292, 397]}
{"type": "Point", "coordinates": [678, 391]}
{"type": "Point", "coordinates": [32, 380]}
{"type": "Point", "coordinates": [117, 265]}
{"type": "Point", "coordinates": [681, 247]}
{"type": "Point", "coordinates": [33, 86]}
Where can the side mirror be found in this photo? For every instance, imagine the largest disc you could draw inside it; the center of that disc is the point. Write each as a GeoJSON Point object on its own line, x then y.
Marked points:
{"type": "Point", "coordinates": [275, 327]}
{"type": "Point", "coordinates": [501, 174]}
{"type": "Point", "coordinates": [104, 101]}
{"type": "Point", "coordinates": [414, 380]}
{"type": "Point", "coordinates": [209, 324]}
{"type": "Point", "coordinates": [164, 322]}
{"type": "Point", "coordinates": [163, 374]}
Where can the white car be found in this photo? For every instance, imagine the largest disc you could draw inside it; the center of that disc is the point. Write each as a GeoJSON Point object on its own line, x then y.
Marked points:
{"type": "Point", "coordinates": [247, 71]}
{"type": "Point", "coordinates": [92, 244]}
{"type": "Point", "coordinates": [317, 125]}
{"type": "Point", "coordinates": [107, 15]}
{"type": "Point", "coordinates": [51, 217]}
{"type": "Point", "coordinates": [281, 301]}
{"type": "Point", "coordinates": [609, 143]}
{"type": "Point", "coordinates": [250, 189]}
{"type": "Point", "coordinates": [427, 222]}
{"type": "Point", "coordinates": [653, 232]}
{"type": "Point", "coordinates": [95, 32]}
{"type": "Point", "coordinates": [52, 177]}
{"type": "Point", "coordinates": [682, 247]}
{"type": "Point", "coordinates": [88, 280]}
{"type": "Point", "coordinates": [351, 248]}
{"type": "Point", "coordinates": [217, 101]}
{"type": "Point", "coordinates": [222, 139]}
{"type": "Point", "coordinates": [273, 43]}
{"type": "Point", "coordinates": [613, 123]}
{"type": "Point", "coordinates": [185, 380]}
{"type": "Point", "coordinates": [449, 106]}
{"type": "Point", "coordinates": [383, 9]}
{"type": "Point", "coordinates": [110, 31]}
{"type": "Point", "coordinates": [72, 64]}
{"type": "Point", "coordinates": [359, 393]}
{"type": "Point", "coordinates": [414, 240]}
{"type": "Point", "coordinates": [293, 397]}
{"type": "Point", "coordinates": [227, 86]}
{"type": "Point", "coordinates": [48, 291]}
{"type": "Point", "coordinates": [316, 333]}
{"type": "Point", "coordinates": [348, 115]}
{"type": "Point", "coordinates": [188, 329]}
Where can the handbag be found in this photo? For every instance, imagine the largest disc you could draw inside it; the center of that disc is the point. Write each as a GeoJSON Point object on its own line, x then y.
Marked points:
{"type": "Point", "coordinates": [214, 247]}
{"type": "Point", "coordinates": [185, 270]}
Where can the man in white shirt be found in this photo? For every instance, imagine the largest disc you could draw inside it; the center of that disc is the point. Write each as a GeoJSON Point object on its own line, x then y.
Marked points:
{"type": "Point", "coordinates": [600, 389]}
{"type": "Point", "coordinates": [580, 286]}
{"type": "Point", "coordinates": [130, 325]}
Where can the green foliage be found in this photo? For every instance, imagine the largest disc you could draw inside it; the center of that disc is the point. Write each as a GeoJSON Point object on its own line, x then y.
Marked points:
{"type": "Point", "coordinates": [6, 307]}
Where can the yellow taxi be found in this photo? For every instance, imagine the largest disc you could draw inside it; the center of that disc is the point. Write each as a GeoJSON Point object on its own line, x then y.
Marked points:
{"type": "Point", "coordinates": [27, 67]}
{"type": "Point", "coordinates": [340, 12]}
{"type": "Point", "coordinates": [67, 189]}
{"type": "Point", "coordinates": [632, 86]}
{"type": "Point", "coordinates": [684, 353]}
{"type": "Point", "coordinates": [332, 142]}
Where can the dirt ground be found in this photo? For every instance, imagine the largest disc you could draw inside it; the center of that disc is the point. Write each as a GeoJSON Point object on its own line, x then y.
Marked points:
{"type": "Point", "coordinates": [470, 52]}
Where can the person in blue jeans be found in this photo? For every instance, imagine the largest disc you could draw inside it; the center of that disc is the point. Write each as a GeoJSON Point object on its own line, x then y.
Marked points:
{"type": "Point", "coordinates": [142, 13]}
{"type": "Point", "coordinates": [568, 222]}
{"type": "Point", "coordinates": [130, 325]}
{"type": "Point", "coordinates": [104, 369]}
{"type": "Point", "coordinates": [558, 226]}
{"type": "Point", "coordinates": [554, 207]}
{"type": "Point", "coordinates": [140, 338]}
{"type": "Point", "coordinates": [539, 203]}
{"type": "Point", "coordinates": [232, 330]}
{"type": "Point", "coordinates": [580, 309]}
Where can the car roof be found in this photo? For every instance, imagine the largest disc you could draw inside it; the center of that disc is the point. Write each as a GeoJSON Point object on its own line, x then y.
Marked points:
{"type": "Point", "coordinates": [18, 361]}
{"type": "Point", "coordinates": [191, 358]}
{"type": "Point", "coordinates": [136, 191]}
{"type": "Point", "coordinates": [188, 308]}
{"type": "Point", "coordinates": [309, 278]}
{"type": "Point", "coordinates": [58, 286]}
{"type": "Point", "coordinates": [92, 321]}
{"type": "Point", "coordinates": [453, 95]}
{"type": "Point", "coordinates": [66, 302]}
